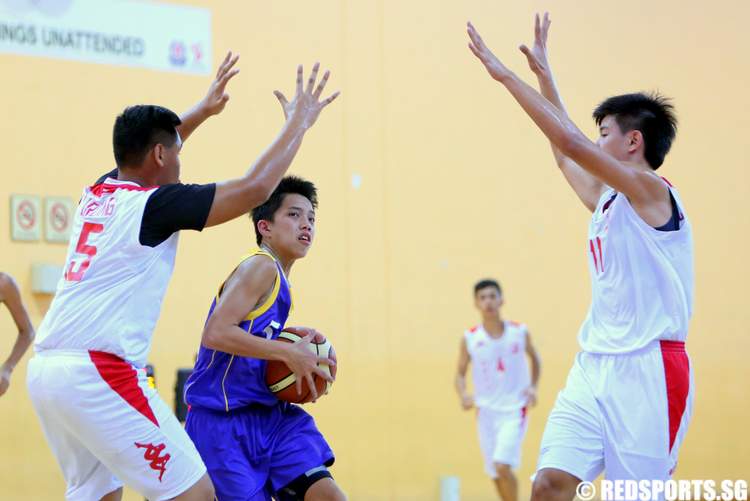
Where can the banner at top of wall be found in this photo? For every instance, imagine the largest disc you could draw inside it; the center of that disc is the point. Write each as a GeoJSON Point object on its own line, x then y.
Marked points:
{"type": "Point", "coordinates": [163, 37]}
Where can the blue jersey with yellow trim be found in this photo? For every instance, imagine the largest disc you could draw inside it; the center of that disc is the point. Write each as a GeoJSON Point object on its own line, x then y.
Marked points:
{"type": "Point", "coordinates": [222, 381]}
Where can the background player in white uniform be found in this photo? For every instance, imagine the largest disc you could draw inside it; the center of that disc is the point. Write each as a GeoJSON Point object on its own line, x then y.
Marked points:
{"type": "Point", "coordinates": [11, 297]}
{"type": "Point", "coordinates": [628, 398]}
{"type": "Point", "coordinates": [503, 388]}
{"type": "Point", "coordinates": [104, 424]}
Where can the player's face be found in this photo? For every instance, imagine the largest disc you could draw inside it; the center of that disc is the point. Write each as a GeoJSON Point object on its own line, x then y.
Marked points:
{"type": "Point", "coordinates": [293, 227]}
{"type": "Point", "coordinates": [612, 140]}
{"type": "Point", "coordinates": [488, 300]}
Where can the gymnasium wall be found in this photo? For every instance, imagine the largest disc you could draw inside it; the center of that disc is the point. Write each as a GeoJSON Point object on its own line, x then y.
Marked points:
{"type": "Point", "coordinates": [430, 177]}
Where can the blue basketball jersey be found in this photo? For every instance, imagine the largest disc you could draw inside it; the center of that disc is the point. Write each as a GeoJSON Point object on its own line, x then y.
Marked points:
{"type": "Point", "coordinates": [221, 381]}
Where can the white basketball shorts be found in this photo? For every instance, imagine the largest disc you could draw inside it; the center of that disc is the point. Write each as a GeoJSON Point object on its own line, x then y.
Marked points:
{"type": "Point", "coordinates": [625, 415]}
{"type": "Point", "coordinates": [106, 427]}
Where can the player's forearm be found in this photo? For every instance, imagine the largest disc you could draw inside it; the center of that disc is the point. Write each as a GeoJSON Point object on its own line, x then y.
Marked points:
{"type": "Point", "coordinates": [460, 385]}
{"type": "Point", "coordinates": [554, 123]}
{"type": "Point", "coordinates": [235, 341]}
{"type": "Point", "coordinates": [192, 119]}
{"type": "Point", "coordinates": [536, 370]}
{"type": "Point", "coordinates": [23, 341]}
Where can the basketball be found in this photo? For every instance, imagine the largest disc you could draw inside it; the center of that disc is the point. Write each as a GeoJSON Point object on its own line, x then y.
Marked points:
{"type": "Point", "coordinates": [281, 380]}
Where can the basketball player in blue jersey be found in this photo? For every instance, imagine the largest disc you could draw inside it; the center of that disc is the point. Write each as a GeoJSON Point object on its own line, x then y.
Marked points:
{"type": "Point", "coordinates": [255, 446]}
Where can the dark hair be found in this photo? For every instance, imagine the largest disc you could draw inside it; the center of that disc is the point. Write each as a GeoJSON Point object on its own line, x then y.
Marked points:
{"type": "Point", "coordinates": [487, 282]}
{"type": "Point", "coordinates": [140, 128]}
{"type": "Point", "coordinates": [651, 114]}
{"type": "Point", "coordinates": [289, 185]}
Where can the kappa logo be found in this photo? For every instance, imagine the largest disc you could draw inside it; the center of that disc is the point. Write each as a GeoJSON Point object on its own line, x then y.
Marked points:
{"type": "Point", "coordinates": [153, 454]}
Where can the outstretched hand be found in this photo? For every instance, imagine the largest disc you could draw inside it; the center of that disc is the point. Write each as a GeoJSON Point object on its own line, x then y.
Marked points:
{"type": "Point", "coordinates": [217, 97]}
{"type": "Point", "coordinates": [306, 105]}
{"type": "Point", "coordinates": [537, 56]}
{"type": "Point", "coordinates": [495, 68]}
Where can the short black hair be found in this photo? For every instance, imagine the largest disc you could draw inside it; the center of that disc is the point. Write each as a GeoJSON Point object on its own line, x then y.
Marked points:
{"type": "Point", "coordinates": [651, 114]}
{"type": "Point", "coordinates": [487, 282]}
{"type": "Point", "coordinates": [138, 129]}
{"type": "Point", "coordinates": [290, 185]}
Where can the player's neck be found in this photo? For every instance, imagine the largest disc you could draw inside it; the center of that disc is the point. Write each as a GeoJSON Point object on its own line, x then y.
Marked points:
{"type": "Point", "coordinates": [131, 176]}
{"type": "Point", "coordinates": [286, 263]}
{"type": "Point", "coordinates": [493, 325]}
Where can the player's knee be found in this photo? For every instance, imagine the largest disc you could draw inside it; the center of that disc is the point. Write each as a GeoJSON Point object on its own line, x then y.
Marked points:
{"type": "Point", "coordinates": [553, 485]}
{"type": "Point", "coordinates": [202, 490]}
{"type": "Point", "coordinates": [504, 471]}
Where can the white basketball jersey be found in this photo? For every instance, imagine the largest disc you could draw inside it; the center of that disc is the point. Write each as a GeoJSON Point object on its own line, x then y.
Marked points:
{"type": "Point", "coordinates": [112, 287]}
{"type": "Point", "coordinates": [500, 371]}
{"type": "Point", "coordinates": [641, 279]}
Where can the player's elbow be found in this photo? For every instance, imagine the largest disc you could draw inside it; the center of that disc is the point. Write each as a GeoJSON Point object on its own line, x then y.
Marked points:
{"type": "Point", "coordinates": [572, 144]}
{"type": "Point", "coordinates": [211, 337]}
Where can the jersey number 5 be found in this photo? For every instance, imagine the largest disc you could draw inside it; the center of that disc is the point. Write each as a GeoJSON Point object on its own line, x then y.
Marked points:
{"type": "Point", "coordinates": [73, 274]}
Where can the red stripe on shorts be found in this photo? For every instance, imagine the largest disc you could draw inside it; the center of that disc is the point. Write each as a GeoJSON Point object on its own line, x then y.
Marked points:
{"type": "Point", "coordinates": [677, 376]}
{"type": "Point", "coordinates": [123, 379]}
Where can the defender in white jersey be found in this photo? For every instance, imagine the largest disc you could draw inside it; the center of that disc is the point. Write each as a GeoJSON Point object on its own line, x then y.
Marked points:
{"type": "Point", "coordinates": [87, 381]}
{"type": "Point", "coordinates": [627, 402]}
{"type": "Point", "coordinates": [503, 387]}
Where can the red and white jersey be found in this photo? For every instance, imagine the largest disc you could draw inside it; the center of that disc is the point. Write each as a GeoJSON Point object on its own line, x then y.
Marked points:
{"type": "Point", "coordinates": [110, 295]}
{"type": "Point", "coordinates": [500, 371]}
{"type": "Point", "coordinates": [641, 278]}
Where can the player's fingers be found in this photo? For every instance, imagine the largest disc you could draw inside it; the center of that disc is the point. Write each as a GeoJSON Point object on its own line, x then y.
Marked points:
{"type": "Point", "coordinates": [299, 79]}
{"type": "Point", "coordinates": [227, 77]}
{"type": "Point", "coordinates": [323, 374]}
{"type": "Point", "coordinates": [475, 51]}
{"type": "Point", "coordinates": [281, 98]}
{"type": "Point", "coordinates": [313, 389]}
{"type": "Point", "coordinates": [313, 77]}
{"type": "Point", "coordinates": [330, 99]}
{"type": "Point", "coordinates": [322, 84]}
{"type": "Point", "coordinates": [220, 69]}
{"type": "Point", "coordinates": [475, 37]}
{"type": "Point", "coordinates": [545, 26]}
{"type": "Point", "coordinates": [298, 384]}
{"type": "Point", "coordinates": [326, 361]}
{"type": "Point", "coordinates": [537, 26]}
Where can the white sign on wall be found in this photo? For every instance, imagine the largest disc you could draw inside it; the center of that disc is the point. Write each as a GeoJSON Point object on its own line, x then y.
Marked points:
{"type": "Point", "coordinates": [58, 219]}
{"type": "Point", "coordinates": [153, 35]}
{"type": "Point", "coordinates": [25, 217]}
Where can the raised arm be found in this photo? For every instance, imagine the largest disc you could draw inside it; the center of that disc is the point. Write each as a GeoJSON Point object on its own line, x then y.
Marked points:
{"type": "Point", "coordinates": [213, 102]}
{"type": "Point", "coordinates": [467, 402]}
{"type": "Point", "coordinates": [642, 188]}
{"type": "Point", "coordinates": [244, 290]}
{"type": "Point", "coordinates": [236, 197]}
{"type": "Point", "coordinates": [10, 295]}
{"type": "Point", "coordinates": [536, 368]}
{"type": "Point", "coordinates": [587, 187]}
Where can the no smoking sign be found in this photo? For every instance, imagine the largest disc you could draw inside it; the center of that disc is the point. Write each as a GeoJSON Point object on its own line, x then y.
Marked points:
{"type": "Point", "coordinates": [58, 219]}
{"type": "Point", "coordinates": [25, 217]}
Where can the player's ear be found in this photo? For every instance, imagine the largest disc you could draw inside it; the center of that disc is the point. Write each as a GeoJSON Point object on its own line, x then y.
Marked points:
{"type": "Point", "coordinates": [635, 140]}
{"type": "Point", "coordinates": [264, 227]}
{"type": "Point", "coordinates": [159, 154]}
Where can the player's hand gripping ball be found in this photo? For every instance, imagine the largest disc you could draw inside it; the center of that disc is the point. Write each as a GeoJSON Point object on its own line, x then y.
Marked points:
{"type": "Point", "coordinates": [281, 380]}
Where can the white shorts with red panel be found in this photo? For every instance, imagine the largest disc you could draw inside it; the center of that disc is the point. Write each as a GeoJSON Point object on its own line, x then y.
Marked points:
{"type": "Point", "coordinates": [106, 427]}
{"type": "Point", "coordinates": [500, 437]}
{"type": "Point", "coordinates": [624, 415]}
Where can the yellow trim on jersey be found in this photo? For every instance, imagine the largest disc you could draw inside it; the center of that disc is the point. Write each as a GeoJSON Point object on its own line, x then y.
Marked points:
{"type": "Point", "coordinates": [269, 301]}
{"type": "Point", "coordinates": [226, 372]}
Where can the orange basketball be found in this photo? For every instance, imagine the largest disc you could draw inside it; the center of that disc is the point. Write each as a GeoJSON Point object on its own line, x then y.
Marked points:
{"type": "Point", "coordinates": [281, 380]}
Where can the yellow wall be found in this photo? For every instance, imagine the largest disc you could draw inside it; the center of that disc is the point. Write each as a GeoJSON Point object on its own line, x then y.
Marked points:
{"type": "Point", "coordinates": [457, 184]}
